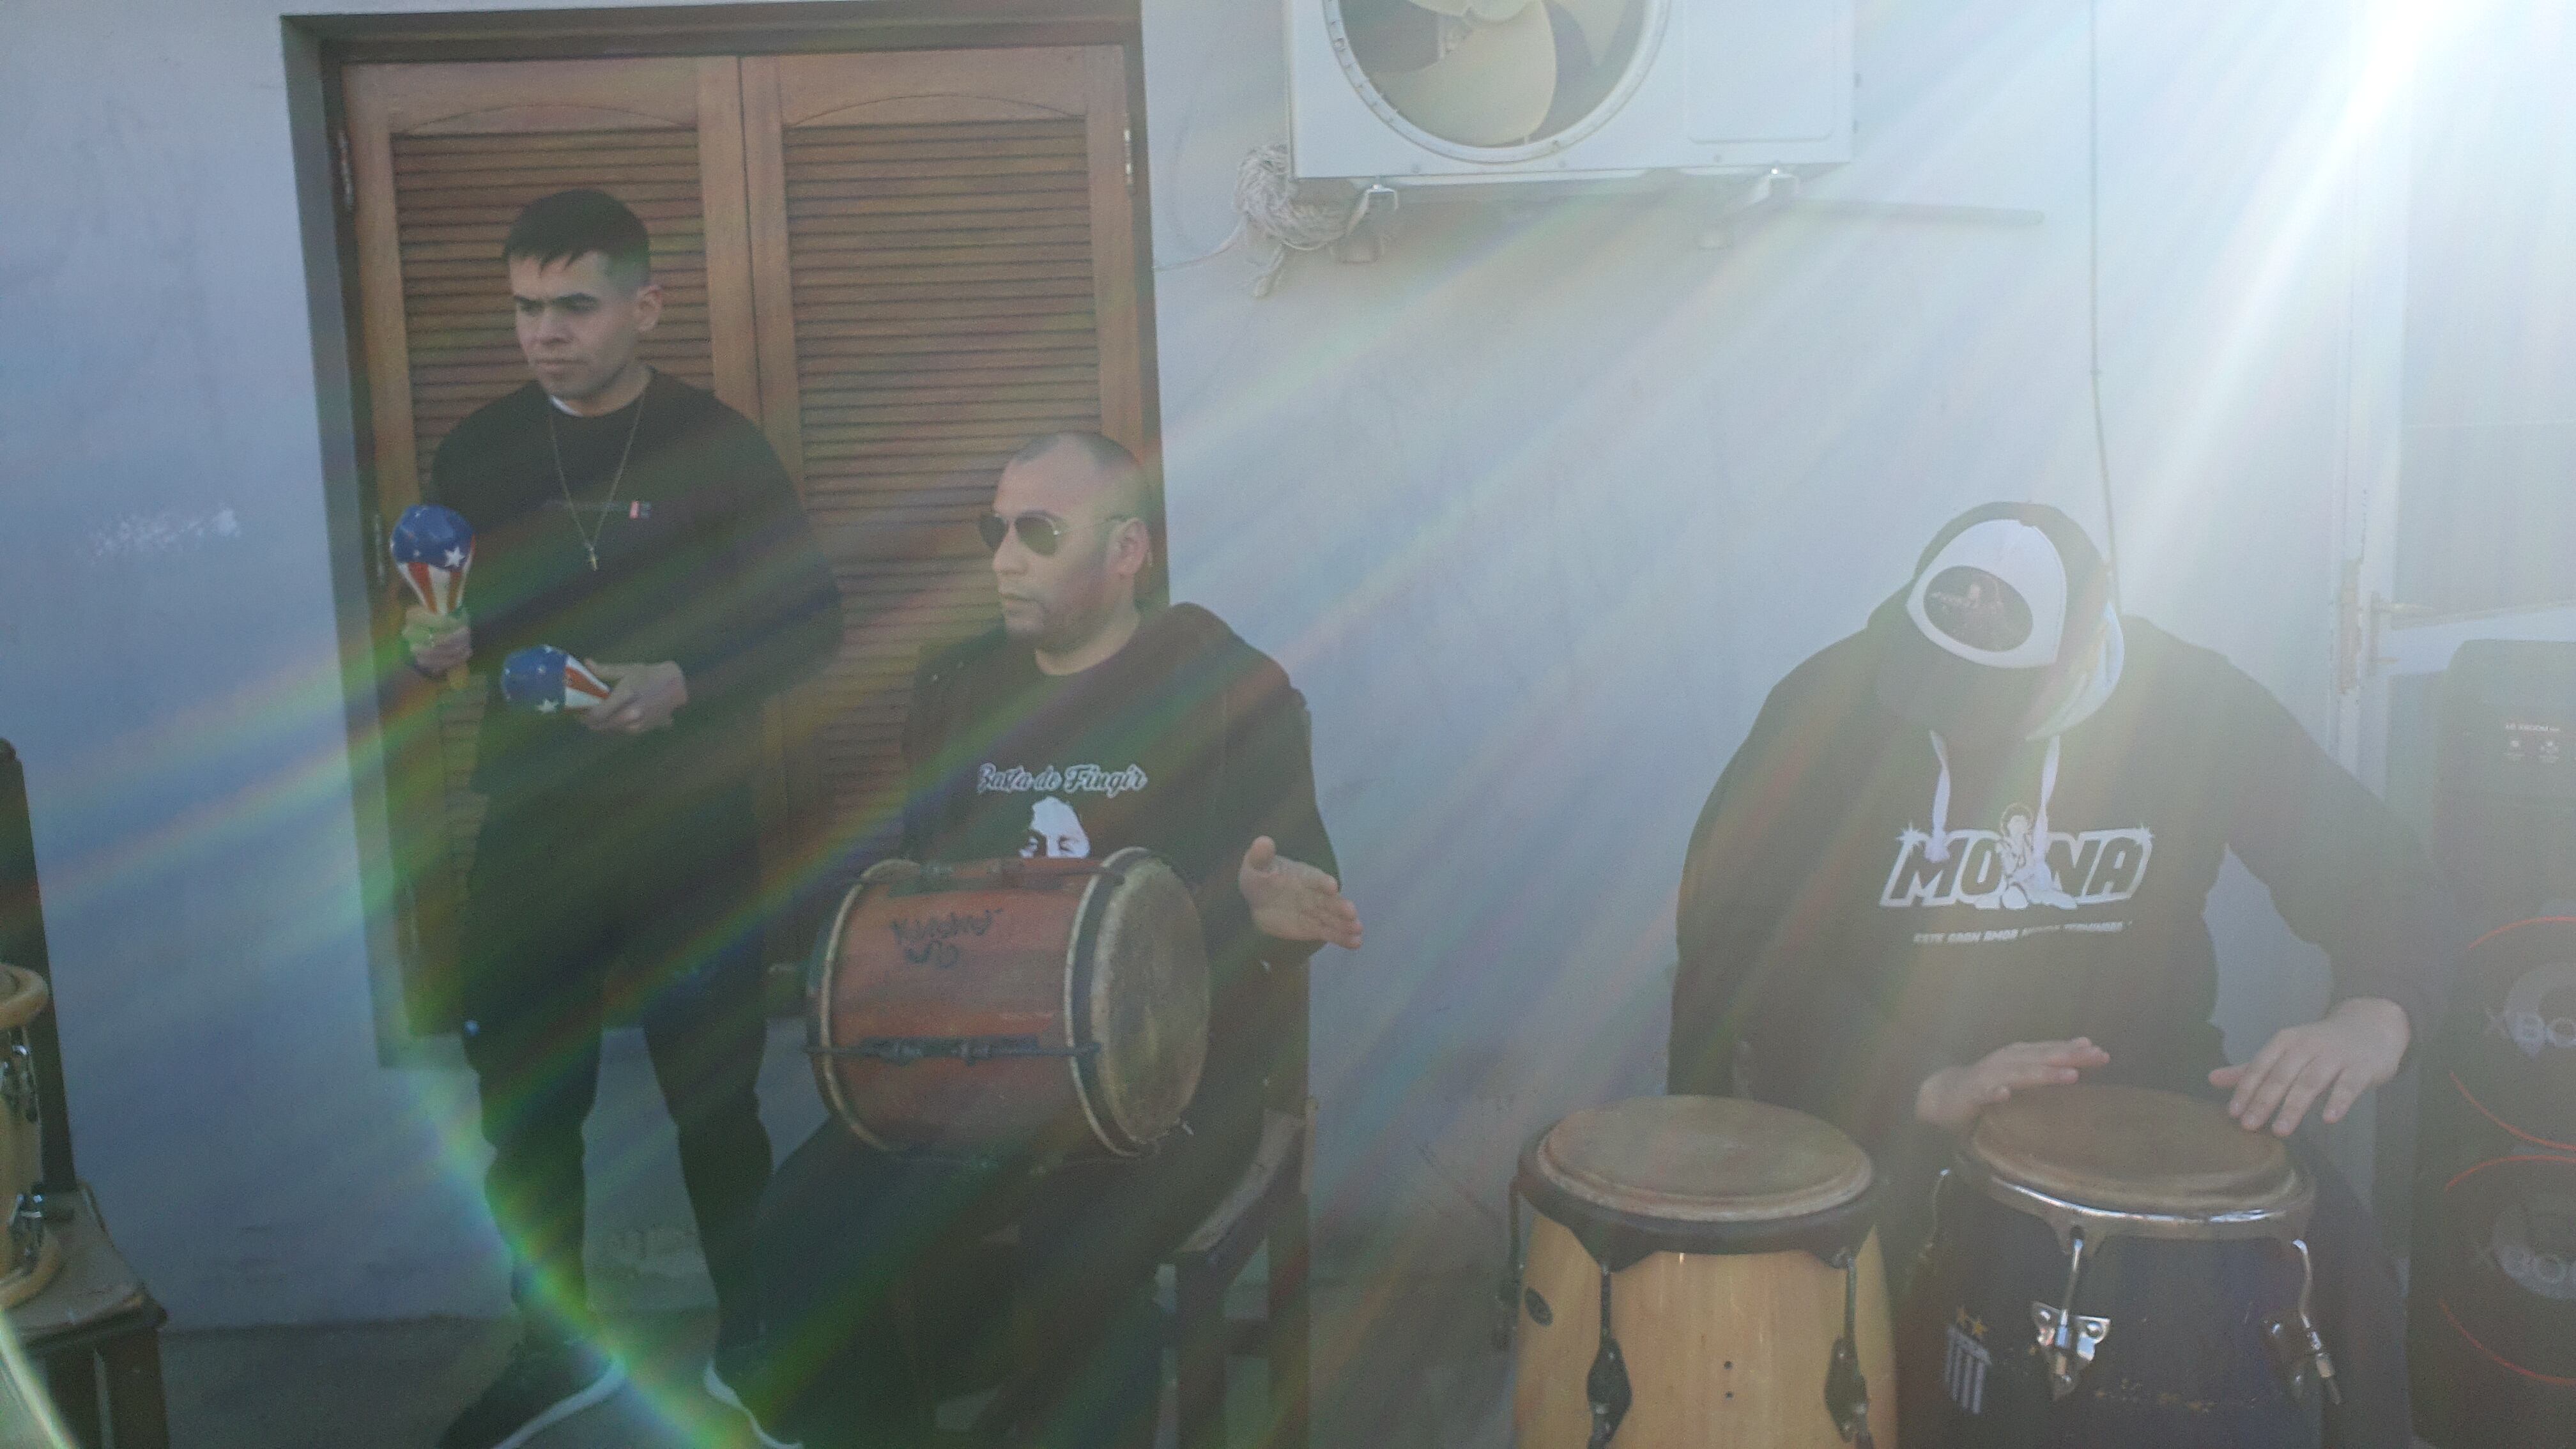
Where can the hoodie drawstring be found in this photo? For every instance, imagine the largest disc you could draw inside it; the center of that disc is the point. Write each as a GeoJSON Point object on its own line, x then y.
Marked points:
{"type": "Point", "coordinates": [1939, 849]}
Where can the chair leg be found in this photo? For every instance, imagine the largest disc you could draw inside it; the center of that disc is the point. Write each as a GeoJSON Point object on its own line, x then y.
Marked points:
{"type": "Point", "coordinates": [135, 1409]}
{"type": "Point", "coordinates": [1200, 1333]}
{"type": "Point", "coordinates": [72, 1380]}
{"type": "Point", "coordinates": [1289, 1308]}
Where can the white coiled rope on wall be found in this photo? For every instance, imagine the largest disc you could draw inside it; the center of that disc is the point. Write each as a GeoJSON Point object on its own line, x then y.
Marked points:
{"type": "Point", "coordinates": [1270, 208]}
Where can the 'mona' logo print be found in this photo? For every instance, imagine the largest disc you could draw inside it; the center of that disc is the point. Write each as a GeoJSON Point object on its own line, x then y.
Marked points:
{"type": "Point", "coordinates": [1990, 870]}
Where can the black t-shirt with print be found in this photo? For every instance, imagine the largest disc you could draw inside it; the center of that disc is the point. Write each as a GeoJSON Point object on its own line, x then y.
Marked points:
{"type": "Point", "coordinates": [705, 559]}
{"type": "Point", "coordinates": [1845, 931]}
{"type": "Point", "coordinates": [1188, 742]}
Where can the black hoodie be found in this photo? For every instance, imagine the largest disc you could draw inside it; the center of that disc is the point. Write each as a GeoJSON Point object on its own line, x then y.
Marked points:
{"type": "Point", "coordinates": [1834, 954]}
{"type": "Point", "coordinates": [1188, 742]}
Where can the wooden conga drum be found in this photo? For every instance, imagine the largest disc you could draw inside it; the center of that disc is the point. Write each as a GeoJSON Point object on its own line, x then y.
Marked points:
{"type": "Point", "coordinates": [29, 1258]}
{"type": "Point", "coordinates": [1009, 1005]}
{"type": "Point", "coordinates": [1727, 1247]}
{"type": "Point", "coordinates": [2115, 1268]}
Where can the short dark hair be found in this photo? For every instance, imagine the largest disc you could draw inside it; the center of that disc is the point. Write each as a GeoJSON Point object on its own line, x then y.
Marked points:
{"type": "Point", "coordinates": [1109, 457]}
{"type": "Point", "coordinates": [570, 224]}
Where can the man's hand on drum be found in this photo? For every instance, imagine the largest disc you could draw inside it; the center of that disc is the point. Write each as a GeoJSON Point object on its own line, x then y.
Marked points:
{"type": "Point", "coordinates": [1293, 901]}
{"type": "Point", "coordinates": [640, 697]}
{"type": "Point", "coordinates": [1952, 1097]}
{"type": "Point", "coordinates": [2358, 1046]}
{"type": "Point", "coordinates": [438, 642]}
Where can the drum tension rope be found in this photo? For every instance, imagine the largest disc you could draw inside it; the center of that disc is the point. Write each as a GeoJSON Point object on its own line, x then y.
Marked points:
{"type": "Point", "coordinates": [905, 1050]}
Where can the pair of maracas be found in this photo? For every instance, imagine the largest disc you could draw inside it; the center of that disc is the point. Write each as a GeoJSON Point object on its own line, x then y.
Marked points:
{"type": "Point", "coordinates": [433, 550]}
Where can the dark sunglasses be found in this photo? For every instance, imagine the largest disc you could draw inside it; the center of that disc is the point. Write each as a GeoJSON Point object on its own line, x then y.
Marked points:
{"type": "Point", "coordinates": [1040, 533]}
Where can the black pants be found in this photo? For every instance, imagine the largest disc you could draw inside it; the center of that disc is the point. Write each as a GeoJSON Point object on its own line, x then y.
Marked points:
{"type": "Point", "coordinates": [882, 1288]}
{"type": "Point", "coordinates": [585, 907]}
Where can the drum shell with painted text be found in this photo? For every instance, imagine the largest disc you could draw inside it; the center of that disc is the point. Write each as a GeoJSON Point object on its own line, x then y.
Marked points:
{"type": "Point", "coordinates": [1090, 977]}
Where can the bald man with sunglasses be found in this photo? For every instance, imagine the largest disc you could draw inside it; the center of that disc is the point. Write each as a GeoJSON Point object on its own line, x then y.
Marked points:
{"type": "Point", "coordinates": [1087, 723]}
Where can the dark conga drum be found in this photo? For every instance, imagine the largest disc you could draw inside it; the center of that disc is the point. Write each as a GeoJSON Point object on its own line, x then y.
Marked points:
{"type": "Point", "coordinates": [1701, 1274]}
{"type": "Point", "coordinates": [2491, 1321]}
{"type": "Point", "coordinates": [1004, 1005]}
{"type": "Point", "coordinates": [2114, 1268]}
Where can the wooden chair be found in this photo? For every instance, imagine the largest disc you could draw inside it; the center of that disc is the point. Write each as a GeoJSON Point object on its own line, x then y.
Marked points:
{"type": "Point", "coordinates": [95, 1329]}
{"type": "Point", "coordinates": [1268, 1207]}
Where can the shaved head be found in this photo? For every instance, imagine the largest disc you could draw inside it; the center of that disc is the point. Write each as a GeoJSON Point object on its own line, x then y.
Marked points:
{"type": "Point", "coordinates": [1072, 594]}
{"type": "Point", "coordinates": [1107, 463]}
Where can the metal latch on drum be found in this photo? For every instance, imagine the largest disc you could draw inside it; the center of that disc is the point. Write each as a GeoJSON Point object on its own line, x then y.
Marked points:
{"type": "Point", "coordinates": [1846, 1387]}
{"type": "Point", "coordinates": [2067, 1338]}
{"type": "Point", "coordinates": [2298, 1350]}
{"type": "Point", "coordinates": [905, 1050]}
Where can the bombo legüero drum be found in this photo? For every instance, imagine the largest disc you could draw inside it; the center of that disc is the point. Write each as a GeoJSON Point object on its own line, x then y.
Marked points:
{"type": "Point", "coordinates": [2115, 1268]}
{"type": "Point", "coordinates": [1701, 1274]}
{"type": "Point", "coordinates": [1012, 1005]}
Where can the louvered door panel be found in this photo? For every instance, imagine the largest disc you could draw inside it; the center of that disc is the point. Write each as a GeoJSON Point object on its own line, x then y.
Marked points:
{"type": "Point", "coordinates": [945, 243]}
{"type": "Point", "coordinates": [444, 157]}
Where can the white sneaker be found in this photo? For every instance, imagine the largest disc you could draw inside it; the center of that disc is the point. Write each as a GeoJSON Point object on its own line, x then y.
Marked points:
{"type": "Point", "coordinates": [722, 1392]}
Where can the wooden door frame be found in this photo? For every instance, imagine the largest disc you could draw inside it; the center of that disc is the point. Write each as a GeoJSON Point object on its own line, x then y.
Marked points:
{"type": "Point", "coordinates": [319, 52]}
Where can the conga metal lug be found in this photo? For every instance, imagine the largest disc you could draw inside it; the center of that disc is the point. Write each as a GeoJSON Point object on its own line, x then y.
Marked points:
{"type": "Point", "coordinates": [18, 1080]}
{"type": "Point", "coordinates": [1606, 1387]}
{"type": "Point", "coordinates": [2067, 1339]}
{"type": "Point", "coordinates": [1846, 1387]}
{"type": "Point", "coordinates": [2298, 1350]}
{"type": "Point", "coordinates": [26, 1231]}
{"type": "Point", "coordinates": [2068, 1342]}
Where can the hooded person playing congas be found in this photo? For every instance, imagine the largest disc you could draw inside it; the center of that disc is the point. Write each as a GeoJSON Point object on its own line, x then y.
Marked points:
{"type": "Point", "coordinates": [1965, 853]}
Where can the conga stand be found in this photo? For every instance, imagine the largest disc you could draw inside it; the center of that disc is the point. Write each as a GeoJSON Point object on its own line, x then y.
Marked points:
{"type": "Point", "coordinates": [95, 1330]}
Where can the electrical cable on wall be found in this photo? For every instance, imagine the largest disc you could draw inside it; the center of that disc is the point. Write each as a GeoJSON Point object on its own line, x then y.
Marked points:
{"type": "Point", "coordinates": [2093, 277]}
{"type": "Point", "coordinates": [1267, 204]}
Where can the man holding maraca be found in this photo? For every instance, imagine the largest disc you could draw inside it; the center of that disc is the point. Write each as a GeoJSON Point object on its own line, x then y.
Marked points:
{"type": "Point", "coordinates": [644, 577]}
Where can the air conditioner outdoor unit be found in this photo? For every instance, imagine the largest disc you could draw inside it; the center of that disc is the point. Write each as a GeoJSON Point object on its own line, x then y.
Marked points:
{"type": "Point", "coordinates": [1434, 91]}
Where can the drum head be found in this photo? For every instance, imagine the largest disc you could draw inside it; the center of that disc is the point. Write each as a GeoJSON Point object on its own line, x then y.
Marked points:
{"type": "Point", "coordinates": [1701, 1160]}
{"type": "Point", "coordinates": [23, 994]}
{"type": "Point", "coordinates": [2130, 1149]}
{"type": "Point", "coordinates": [1147, 995]}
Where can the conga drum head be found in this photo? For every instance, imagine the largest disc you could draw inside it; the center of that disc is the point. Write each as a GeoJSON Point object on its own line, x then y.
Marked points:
{"type": "Point", "coordinates": [2135, 1150]}
{"type": "Point", "coordinates": [1699, 1174]}
{"type": "Point", "coordinates": [1148, 996]}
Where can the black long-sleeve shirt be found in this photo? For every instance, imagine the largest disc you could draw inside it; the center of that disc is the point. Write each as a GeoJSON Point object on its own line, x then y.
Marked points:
{"type": "Point", "coordinates": [1188, 742]}
{"type": "Point", "coordinates": [705, 559]}
{"type": "Point", "coordinates": [1837, 956]}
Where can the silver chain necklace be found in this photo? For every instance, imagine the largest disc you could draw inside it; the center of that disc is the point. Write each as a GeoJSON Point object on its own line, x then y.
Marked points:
{"type": "Point", "coordinates": [590, 536]}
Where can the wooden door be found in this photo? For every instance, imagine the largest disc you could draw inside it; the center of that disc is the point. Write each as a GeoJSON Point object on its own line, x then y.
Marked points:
{"type": "Point", "coordinates": [945, 262]}
{"type": "Point", "coordinates": [442, 158]}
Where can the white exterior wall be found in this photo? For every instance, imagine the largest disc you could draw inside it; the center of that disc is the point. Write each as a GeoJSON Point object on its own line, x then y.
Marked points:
{"type": "Point", "coordinates": [1535, 510]}
{"type": "Point", "coordinates": [1538, 507]}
